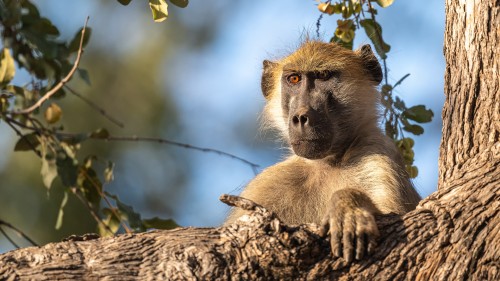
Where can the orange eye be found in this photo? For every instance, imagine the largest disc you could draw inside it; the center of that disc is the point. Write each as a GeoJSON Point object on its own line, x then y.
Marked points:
{"type": "Point", "coordinates": [324, 75]}
{"type": "Point", "coordinates": [294, 78]}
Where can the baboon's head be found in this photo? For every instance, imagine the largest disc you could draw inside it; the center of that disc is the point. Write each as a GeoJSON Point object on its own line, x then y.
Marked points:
{"type": "Point", "coordinates": [322, 96]}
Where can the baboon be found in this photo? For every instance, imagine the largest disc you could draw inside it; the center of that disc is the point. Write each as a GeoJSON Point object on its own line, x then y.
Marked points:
{"type": "Point", "coordinates": [343, 170]}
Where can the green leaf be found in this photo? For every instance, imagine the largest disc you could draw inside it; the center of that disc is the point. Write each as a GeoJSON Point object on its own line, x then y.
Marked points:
{"type": "Point", "coordinates": [159, 8]}
{"type": "Point", "coordinates": [61, 93]}
{"type": "Point", "coordinates": [124, 2]}
{"type": "Point", "coordinates": [345, 31]}
{"type": "Point", "coordinates": [32, 10]}
{"type": "Point", "coordinates": [374, 32]}
{"type": "Point", "coordinates": [100, 134]}
{"type": "Point", "coordinates": [386, 89]}
{"type": "Point", "coordinates": [39, 41]}
{"type": "Point", "coordinates": [400, 104]}
{"type": "Point", "coordinates": [53, 113]}
{"type": "Point", "coordinates": [67, 168]}
{"type": "Point", "coordinates": [414, 129]}
{"type": "Point", "coordinates": [419, 114]}
{"type": "Point", "coordinates": [134, 218]}
{"type": "Point", "coordinates": [326, 8]}
{"type": "Point", "coordinates": [15, 90]}
{"type": "Point", "coordinates": [385, 3]}
{"type": "Point", "coordinates": [27, 142]}
{"type": "Point", "coordinates": [180, 3]}
{"type": "Point", "coordinates": [49, 170]}
{"type": "Point", "coordinates": [405, 147]}
{"type": "Point", "coordinates": [159, 223]}
{"type": "Point", "coordinates": [412, 171]}
{"type": "Point", "coordinates": [108, 172]}
{"type": "Point", "coordinates": [390, 131]}
{"type": "Point", "coordinates": [84, 75]}
{"type": "Point", "coordinates": [348, 45]}
{"type": "Point", "coordinates": [60, 215]}
{"type": "Point", "coordinates": [4, 103]}
{"type": "Point", "coordinates": [401, 80]}
{"type": "Point", "coordinates": [74, 45]}
{"type": "Point", "coordinates": [44, 26]}
{"type": "Point", "coordinates": [408, 143]}
{"type": "Point", "coordinates": [7, 67]}
{"type": "Point", "coordinates": [347, 10]}
{"type": "Point", "coordinates": [89, 184]}
{"type": "Point", "coordinates": [111, 221]}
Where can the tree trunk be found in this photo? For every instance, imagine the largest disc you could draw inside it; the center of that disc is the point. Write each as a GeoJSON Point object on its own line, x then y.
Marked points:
{"type": "Point", "coordinates": [454, 234]}
{"type": "Point", "coordinates": [470, 148]}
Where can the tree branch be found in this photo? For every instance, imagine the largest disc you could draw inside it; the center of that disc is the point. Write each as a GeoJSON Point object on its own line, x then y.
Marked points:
{"type": "Point", "coordinates": [95, 107]}
{"type": "Point", "coordinates": [16, 230]}
{"type": "Point", "coordinates": [62, 82]}
{"type": "Point", "coordinates": [183, 145]}
{"type": "Point", "coordinates": [426, 244]}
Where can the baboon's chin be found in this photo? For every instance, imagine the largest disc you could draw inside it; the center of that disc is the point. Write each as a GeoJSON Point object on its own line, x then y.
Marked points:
{"type": "Point", "coordinates": [310, 149]}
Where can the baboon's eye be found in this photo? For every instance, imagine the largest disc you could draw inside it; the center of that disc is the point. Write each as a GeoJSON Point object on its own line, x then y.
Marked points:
{"type": "Point", "coordinates": [294, 78]}
{"type": "Point", "coordinates": [324, 75]}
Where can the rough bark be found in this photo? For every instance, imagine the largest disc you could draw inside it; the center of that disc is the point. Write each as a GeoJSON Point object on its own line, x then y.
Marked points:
{"type": "Point", "coordinates": [470, 148]}
{"type": "Point", "coordinates": [454, 234]}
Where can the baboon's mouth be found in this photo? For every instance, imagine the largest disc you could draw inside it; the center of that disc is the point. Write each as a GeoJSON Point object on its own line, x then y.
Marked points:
{"type": "Point", "coordinates": [303, 141]}
{"type": "Point", "coordinates": [310, 148]}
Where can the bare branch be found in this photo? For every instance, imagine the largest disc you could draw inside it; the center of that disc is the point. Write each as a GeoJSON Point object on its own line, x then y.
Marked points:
{"type": "Point", "coordinates": [9, 122]}
{"type": "Point", "coordinates": [62, 82]}
{"type": "Point", "coordinates": [240, 202]}
{"type": "Point", "coordinates": [183, 145]}
{"type": "Point", "coordinates": [96, 107]}
{"type": "Point", "coordinates": [91, 210]}
{"type": "Point", "coordinates": [11, 241]}
{"type": "Point", "coordinates": [16, 230]}
{"type": "Point", "coordinates": [105, 198]}
{"type": "Point", "coordinates": [252, 165]}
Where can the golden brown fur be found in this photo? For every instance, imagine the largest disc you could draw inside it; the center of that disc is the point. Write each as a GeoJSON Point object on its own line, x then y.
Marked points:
{"type": "Point", "coordinates": [359, 175]}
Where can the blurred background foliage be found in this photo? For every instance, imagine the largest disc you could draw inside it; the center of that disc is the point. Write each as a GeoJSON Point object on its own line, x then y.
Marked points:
{"type": "Point", "coordinates": [195, 79]}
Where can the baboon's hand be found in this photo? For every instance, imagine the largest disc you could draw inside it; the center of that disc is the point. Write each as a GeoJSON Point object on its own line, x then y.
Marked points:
{"type": "Point", "coordinates": [353, 231]}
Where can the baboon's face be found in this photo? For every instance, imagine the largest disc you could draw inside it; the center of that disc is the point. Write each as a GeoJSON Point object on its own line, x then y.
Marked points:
{"type": "Point", "coordinates": [321, 95]}
{"type": "Point", "coordinates": [317, 119]}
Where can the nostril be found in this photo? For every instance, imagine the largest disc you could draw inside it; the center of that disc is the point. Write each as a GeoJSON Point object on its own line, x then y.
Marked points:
{"type": "Point", "coordinates": [303, 119]}
{"type": "Point", "coordinates": [300, 119]}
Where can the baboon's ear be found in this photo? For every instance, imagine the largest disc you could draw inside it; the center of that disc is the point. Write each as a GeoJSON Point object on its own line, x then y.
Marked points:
{"type": "Point", "coordinates": [267, 82]}
{"type": "Point", "coordinates": [371, 63]}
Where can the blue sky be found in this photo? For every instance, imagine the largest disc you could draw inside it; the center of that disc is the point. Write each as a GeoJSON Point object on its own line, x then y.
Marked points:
{"type": "Point", "coordinates": [218, 87]}
{"type": "Point", "coordinates": [229, 72]}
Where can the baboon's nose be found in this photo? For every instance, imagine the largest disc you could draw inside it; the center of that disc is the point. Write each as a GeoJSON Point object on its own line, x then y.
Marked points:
{"type": "Point", "coordinates": [300, 119]}
{"type": "Point", "coordinates": [303, 118]}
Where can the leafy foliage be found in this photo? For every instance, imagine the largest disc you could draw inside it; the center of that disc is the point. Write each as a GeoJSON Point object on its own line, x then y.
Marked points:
{"type": "Point", "coordinates": [32, 42]}
{"type": "Point", "coordinates": [398, 118]}
{"type": "Point", "coordinates": [159, 8]}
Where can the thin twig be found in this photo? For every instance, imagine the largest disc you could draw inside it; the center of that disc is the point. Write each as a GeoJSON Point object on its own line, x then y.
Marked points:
{"type": "Point", "coordinates": [400, 81]}
{"type": "Point", "coordinates": [111, 207]}
{"type": "Point", "coordinates": [19, 232]}
{"type": "Point", "coordinates": [252, 165]}
{"type": "Point", "coordinates": [10, 239]}
{"type": "Point", "coordinates": [183, 145]}
{"type": "Point", "coordinates": [62, 82]}
{"type": "Point", "coordinates": [9, 120]}
{"type": "Point", "coordinates": [318, 25]}
{"type": "Point", "coordinates": [91, 210]}
{"type": "Point", "coordinates": [96, 107]}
